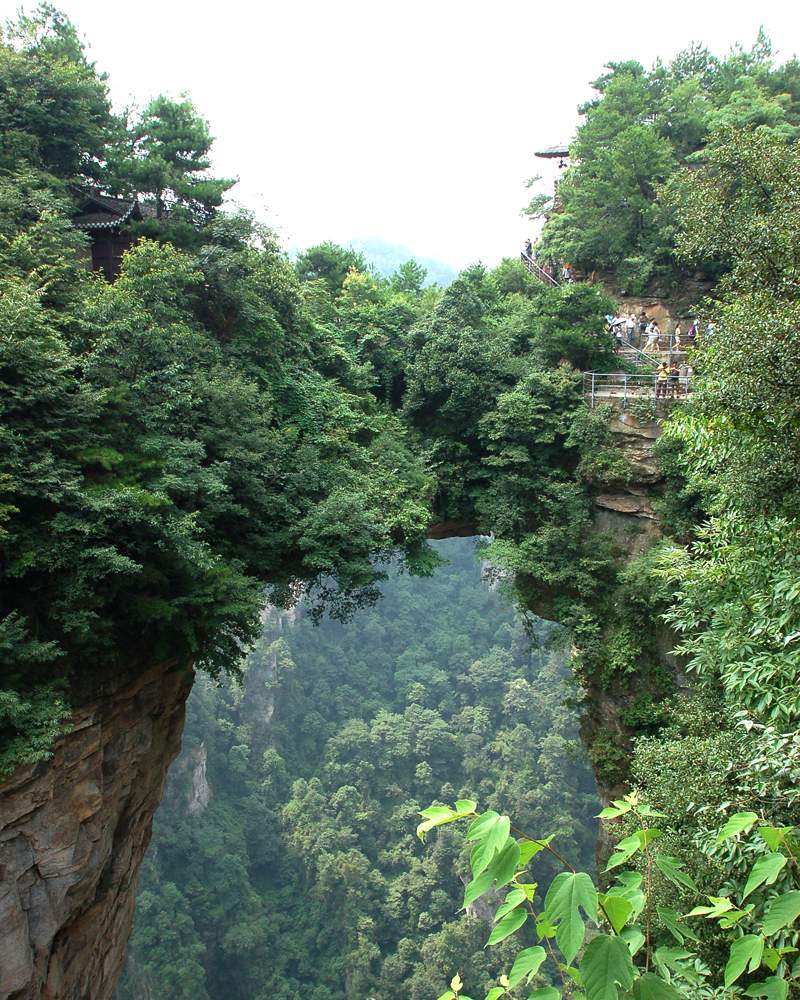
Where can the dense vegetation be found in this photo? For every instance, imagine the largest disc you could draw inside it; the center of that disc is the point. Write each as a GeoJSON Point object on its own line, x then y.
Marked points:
{"type": "Point", "coordinates": [280, 888]}
{"type": "Point", "coordinates": [701, 897]}
{"type": "Point", "coordinates": [640, 133]}
{"type": "Point", "coordinates": [220, 419]}
{"type": "Point", "coordinates": [173, 440]}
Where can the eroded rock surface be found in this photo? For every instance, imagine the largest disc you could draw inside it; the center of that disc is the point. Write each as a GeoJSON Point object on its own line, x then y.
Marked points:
{"type": "Point", "coordinates": [73, 831]}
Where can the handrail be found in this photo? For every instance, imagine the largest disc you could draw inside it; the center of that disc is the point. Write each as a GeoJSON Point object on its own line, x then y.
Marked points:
{"type": "Point", "coordinates": [626, 348]}
{"type": "Point", "coordinates": [534, 268]}
{"type": "Point", "coordinates": [601, 386]}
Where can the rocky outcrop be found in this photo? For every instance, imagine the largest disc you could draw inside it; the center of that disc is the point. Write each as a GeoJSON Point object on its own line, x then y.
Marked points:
{"type": "Point", "coordinates": [198, 793]}
{"type": "Point", "coordinates": [667, 307]}
{"type": "Point", "coordinates": [73, 831]}
{"type": "Point", "coordinates": [625, 510]}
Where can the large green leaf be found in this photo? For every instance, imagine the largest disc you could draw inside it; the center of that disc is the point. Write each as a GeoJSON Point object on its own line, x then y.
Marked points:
{"type": "Point", "coordinates": [719, 905]}
{"type": "Point", "coordinates": [512, 901]}
{"type": "Point", "coordinates": [617, 909]}
{"type": "Point", "coordinates": [606, 967]}
{"type": "Point", "coordinates": [633, 938]}
{"type": "Point", "coordinates": [477, 887]}
{"type": "Point", "coordinates": [782, 912]}
{"type": "Point", "coordinates": [491, 831]}
{"type": "Point", "coordinates": [494, 993]}
{"type": "Point", "coordinates": [764, 872]}
{"type": "Point", "coordinates": [653, 987]}
{"type": "Point", "coordinates": [626, 849]}
{"type": "Point", "coordinates": [510, 923]}
{"type": "Point", "coordinates": [737, 823]}
{"type": "Point", "coordinates": [526, 965]}
{"type": "Point", "coordinates": [773, 988]}
{"type": "Point", "coordinates": [505, 865]}
{"type": "Point", "coordinates": [435, 816]}
{"type": "Point", "coordinates": [745, 953]}
{"type": "Point", "coordinates": [530, 848]}
{"type": "Point", "coordinates": [545, 993]}
{"type": "Point", "coordinates": [774, 836]}
{"type": "Point", "coordinates": [672, 868]}
{"type": "Point", "coordinates": [569, 893]}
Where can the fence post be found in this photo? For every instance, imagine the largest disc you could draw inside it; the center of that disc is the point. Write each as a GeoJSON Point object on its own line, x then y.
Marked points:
{"type": "Point", "coordinates": [592, 390]}
{"type": "Point", "coordinates": [624, 392]}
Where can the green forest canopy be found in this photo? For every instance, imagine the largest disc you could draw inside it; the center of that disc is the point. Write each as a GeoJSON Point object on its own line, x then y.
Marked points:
{"type": "Point", "coordinates": [280, 888]}
{"type": "Point", "coordinates": [218, 420]}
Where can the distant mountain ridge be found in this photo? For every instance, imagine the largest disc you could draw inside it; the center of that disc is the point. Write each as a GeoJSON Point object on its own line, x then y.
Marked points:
{"type": "Point", "coordinates": [387, 257]}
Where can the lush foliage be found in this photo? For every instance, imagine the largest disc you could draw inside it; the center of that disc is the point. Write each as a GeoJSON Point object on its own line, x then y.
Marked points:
{"type": "Point", "coordinates": [220, 420]}
{"type": "Point", "coordinates": [301, 876]}
{"type": "Point", "coordinates": [172, 441]}
{"type": "Point", "coordinates": [625, 944]}
{"type": "Point", "coordinates": [639, 132]}
{"type": "Point", "coordinates": [738, 444]}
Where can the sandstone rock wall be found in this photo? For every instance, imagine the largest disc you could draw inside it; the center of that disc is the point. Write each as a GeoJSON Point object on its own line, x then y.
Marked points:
{"type": "Point", "coordinates": [626, 511]}
{"type": "Point", "coordinates": [73, 831]}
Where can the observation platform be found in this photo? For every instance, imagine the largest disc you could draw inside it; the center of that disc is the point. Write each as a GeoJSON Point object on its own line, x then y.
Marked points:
{"type": "Point", "coordinates": [618, 389]}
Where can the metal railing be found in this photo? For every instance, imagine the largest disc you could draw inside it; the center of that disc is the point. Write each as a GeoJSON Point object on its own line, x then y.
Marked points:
{"type": "Point", "coordinates": [602, 387]}
{"type": "Point", "coordinates": [536, 270]}
{"type": "Point", "coordinates": [630, 353]}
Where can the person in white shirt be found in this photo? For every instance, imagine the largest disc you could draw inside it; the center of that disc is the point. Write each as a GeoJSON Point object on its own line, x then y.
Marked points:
{"type": "Point", "coordinates": [651, 346]}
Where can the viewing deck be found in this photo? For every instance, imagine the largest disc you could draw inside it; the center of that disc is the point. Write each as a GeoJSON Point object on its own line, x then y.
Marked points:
{"type": "Point", "coordinates": [619, 389]}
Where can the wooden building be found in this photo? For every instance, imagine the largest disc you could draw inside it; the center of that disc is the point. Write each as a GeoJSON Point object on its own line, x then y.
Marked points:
{"type": "Point", "coordinates": [106, 221]}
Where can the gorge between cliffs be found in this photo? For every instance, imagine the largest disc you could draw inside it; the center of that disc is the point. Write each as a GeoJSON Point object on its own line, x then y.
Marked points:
{"type": "Point", "coordinates": [76, 829]}
{"type": "Point", "coordinates": [373, 628]}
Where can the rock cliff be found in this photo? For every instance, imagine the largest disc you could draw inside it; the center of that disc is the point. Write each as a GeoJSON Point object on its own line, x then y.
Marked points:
{"type": "Point", "coordinates": [73, 831]}
{"type": "Point", "coordinates": [626, 512]}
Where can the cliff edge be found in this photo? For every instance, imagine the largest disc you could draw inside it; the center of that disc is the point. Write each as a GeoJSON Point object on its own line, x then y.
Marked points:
{"type": "Point", "coordinates": [73, 832]}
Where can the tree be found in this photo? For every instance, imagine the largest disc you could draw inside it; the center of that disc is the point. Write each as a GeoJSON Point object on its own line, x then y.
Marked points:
{"type": "Point", "coordinates": [55, 112]}
{"type": "Point", "coordinates": [329, 263]}
{"type": "Point", "coordinates": [169, 160]}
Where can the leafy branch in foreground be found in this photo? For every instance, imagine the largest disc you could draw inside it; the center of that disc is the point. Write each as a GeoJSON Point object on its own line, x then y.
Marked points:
{"type": "Point", "coordinates": [602, 945]}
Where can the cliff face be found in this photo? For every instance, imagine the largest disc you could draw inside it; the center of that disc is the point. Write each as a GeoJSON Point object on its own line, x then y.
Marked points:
{"type": "Point", "coordinates": [626, 513]}
{"type": "Point", "coordinates": [73, 831]}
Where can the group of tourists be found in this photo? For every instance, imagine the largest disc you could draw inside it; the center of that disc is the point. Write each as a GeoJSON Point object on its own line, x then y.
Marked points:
{"type": "Point", "coordinates": [672, 380]}
{"type": "Point", "coordinates": [645, 334]}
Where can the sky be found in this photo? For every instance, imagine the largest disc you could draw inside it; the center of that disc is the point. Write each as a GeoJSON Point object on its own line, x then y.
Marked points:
{"type": "Point", "coordinates": [413, 122]}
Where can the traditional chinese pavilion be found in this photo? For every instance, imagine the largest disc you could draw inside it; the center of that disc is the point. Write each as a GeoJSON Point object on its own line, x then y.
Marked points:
{"type": "Point", "coordinates": [106, 221]}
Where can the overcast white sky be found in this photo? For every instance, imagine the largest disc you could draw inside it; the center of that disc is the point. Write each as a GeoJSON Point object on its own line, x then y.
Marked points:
{"type": "Point", "coordinates": [415, 122]}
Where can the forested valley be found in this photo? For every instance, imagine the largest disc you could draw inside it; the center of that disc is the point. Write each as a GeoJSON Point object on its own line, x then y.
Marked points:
{"type": "Point", "coordinates": [218, 456]}
{"type": "Point", "coordinates": [296, 870]}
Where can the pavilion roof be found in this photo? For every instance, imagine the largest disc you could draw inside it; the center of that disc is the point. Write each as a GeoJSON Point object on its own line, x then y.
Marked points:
{"type": "Point", "coordinates": [101, 211]}
{"type": "Point", "coordinates": [554, 152]}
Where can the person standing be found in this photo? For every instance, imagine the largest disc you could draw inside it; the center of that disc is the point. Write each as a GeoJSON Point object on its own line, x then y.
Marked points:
{"type": "Point", "coordinates": [617, 325]}
{"type": "Point", "coordinates": [642, 326]}
{"type": "Point", "coordinates": [662, 380]}
{"type": "Point", "coordinates": [630, 326]}
{"type": "Point", "coordinates": [528, 248]}
{"type": "Point", "coordinates": [674, 380]}
{"type": "Point", "coordinates": [683, 372]}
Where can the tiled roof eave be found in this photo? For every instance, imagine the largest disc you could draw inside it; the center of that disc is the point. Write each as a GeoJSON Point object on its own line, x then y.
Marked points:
{"type": "Point", "coordinates": [99, 225]}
